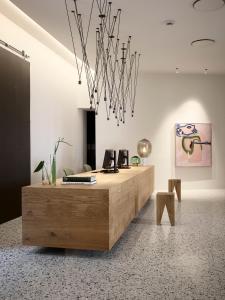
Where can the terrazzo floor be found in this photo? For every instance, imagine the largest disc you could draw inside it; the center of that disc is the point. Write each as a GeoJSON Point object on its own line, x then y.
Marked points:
{"type": "Point", "coordinates": [149, 262]}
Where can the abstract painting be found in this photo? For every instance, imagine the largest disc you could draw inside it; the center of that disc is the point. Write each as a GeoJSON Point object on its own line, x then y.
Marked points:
{"type": "Point", "coordinates": [193, 144]}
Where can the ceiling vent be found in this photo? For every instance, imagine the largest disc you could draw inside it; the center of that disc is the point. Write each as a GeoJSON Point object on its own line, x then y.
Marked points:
{"type": "Point", "coordinates": [208, 5]}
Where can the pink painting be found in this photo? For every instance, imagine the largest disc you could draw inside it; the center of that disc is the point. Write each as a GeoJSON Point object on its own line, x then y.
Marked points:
{"type": "Point", "coordinates": [193, 144]}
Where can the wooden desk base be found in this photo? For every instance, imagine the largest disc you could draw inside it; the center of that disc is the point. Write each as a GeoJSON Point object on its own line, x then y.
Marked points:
{"type": "Point", "coordinates": [85, 217]}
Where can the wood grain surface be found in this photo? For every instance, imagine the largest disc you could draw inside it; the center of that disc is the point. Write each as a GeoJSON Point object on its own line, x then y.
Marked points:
{"type": "Point", "coordinates": [175, 183]}
{"type": "Point", "coordinates": [165, 199]}
{"type": "Point", "coordinates": [85, 216]}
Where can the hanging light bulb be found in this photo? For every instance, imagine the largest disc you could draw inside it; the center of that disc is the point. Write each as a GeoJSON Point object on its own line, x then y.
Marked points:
{"type": "Point", "coordinates": [144, 148]}
{"type": "Point", "coordinates": [115, 77]}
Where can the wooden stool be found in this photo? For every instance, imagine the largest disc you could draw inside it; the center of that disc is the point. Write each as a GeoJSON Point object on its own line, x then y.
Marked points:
{"type": "Point", "coordinates": [175, 183]}
{"type": "Point", "coordinates": [165, 199]}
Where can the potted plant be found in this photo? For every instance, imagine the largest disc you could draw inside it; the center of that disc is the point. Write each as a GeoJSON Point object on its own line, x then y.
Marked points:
{"type": "Point", "coordinates": [46, 177]}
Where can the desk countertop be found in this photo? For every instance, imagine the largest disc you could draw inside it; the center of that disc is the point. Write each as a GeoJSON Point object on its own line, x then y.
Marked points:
{"type": "Point", "coordinates": [104, 181]}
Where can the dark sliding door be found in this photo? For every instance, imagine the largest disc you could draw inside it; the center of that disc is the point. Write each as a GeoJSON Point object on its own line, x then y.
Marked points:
{"type": "Point", "coordinates": [14, 132]}
{"type": "Point", "coordinates": [91, 155]}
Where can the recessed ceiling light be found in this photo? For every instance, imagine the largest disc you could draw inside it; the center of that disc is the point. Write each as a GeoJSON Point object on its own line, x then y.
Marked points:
{"type": "Point", "coordinates": [208, 5]}
{"type": "Point", "coordinates": [169, 22]}
{"type": "Point", "coordinates": [203, 42]}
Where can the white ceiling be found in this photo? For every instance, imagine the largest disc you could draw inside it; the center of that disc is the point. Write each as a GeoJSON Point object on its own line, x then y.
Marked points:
{"type": "Point", "coordinates": [163, 48]}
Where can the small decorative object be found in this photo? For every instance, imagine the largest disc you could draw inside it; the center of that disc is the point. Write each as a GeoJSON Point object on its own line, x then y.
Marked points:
{"type": "Point", "coordinates": [87, 168]}
{"type": "Point", "coordinates": [44, 172]}
{"type": "Point", "coordinates": [43, 168]}
{"type": "Point", "coordinates": [135, 160]}
{"type": "Point", "coordinates": [193, 145]}
{"type": "Point", "coordinates": [144, 148]}
{"type": "Point", "coordinates": [68, 171]}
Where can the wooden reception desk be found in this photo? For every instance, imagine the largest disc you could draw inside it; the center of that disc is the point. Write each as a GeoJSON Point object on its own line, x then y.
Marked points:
{"type": "Point", "coordinates": [85, 217]}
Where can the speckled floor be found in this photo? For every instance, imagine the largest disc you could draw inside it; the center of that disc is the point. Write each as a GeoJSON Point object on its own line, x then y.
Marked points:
{"type": "Point", "coordinates": [149, 262]}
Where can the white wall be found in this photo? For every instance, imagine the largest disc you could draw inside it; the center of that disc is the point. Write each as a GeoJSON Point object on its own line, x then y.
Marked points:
{"type": "Point", "coordinates": [163, 100]}
{"type": "Point", "coordinates": [55, 93]}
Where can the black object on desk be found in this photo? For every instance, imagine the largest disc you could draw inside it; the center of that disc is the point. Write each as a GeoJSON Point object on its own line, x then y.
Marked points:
{"type": "Point", "coordinates": [123, 159]}
{"type": "Point", "coordinates": [109, 163]}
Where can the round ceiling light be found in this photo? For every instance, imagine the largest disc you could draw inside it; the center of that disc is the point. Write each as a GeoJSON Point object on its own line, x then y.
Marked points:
{"type": "Point", "coordinates": [208, 5]}
{"type": "Point", "coordinates": [169, 22]}
{"type": "Point", "coordinates": [203, 43]}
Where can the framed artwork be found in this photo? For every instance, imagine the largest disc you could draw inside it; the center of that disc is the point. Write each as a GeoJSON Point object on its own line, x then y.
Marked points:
{"type": "Point", "coordinates": [193, 145]}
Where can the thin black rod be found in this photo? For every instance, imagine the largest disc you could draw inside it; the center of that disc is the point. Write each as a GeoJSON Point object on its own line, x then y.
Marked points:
{"type": "Point", "coordinates": [74, 48]}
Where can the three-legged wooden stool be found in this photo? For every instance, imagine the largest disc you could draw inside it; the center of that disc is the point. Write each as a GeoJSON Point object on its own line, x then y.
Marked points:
{"type": "Point", "coordinates": [175, 183]}
{"type": "Point", "coordinates": [165, 199]}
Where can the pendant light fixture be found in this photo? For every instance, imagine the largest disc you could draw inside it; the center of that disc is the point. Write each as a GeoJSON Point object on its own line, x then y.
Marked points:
{"type": "Point", "coordinates": [115, 76]}
{"type": "Point", "coordinates": [144, 148]}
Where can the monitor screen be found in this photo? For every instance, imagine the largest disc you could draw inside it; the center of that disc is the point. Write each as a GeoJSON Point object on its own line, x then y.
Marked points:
{"type": "Point", "coordinates": [122, 157]}
{"type": "Point", "coordinates": [108, 159]}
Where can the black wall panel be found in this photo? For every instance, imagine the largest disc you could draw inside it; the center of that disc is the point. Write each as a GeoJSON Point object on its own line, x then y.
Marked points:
{"type": "Point", "coordinates": [14, 132]}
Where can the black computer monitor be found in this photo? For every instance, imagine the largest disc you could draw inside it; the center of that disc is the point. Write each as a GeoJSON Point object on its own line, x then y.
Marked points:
{"type": "Point", "coordinates": [123, 159]}
{"type": "Point", "coordinates": [109, 163]}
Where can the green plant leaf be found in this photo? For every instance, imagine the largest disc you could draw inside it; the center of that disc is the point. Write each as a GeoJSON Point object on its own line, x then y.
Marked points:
{"type": "Point", "coordinates": [39, 166]}
{"type": "Point", "coordinates": [66, 143]}
{"type": "Point", "coordinates": [60, 140]}
{"type": "Point", "coordinates": [53, 169]}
